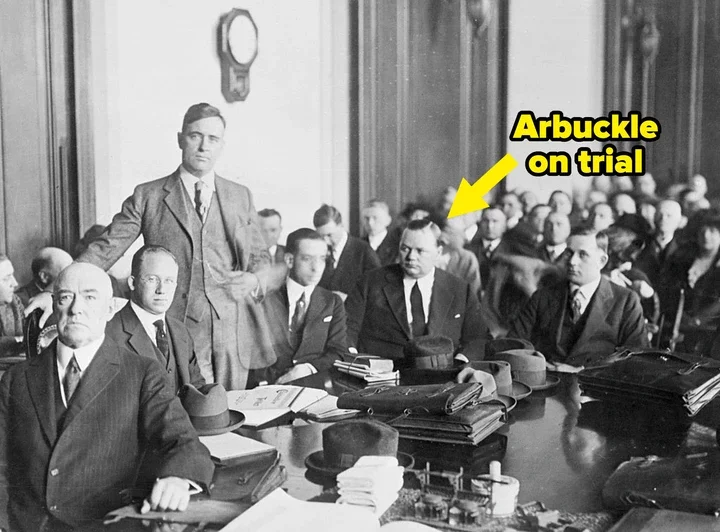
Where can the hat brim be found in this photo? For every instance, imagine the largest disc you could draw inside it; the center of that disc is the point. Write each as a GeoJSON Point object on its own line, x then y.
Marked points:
{"type": "Point", "coordinates": [508, 401]}
{"type": "Point", "coordinates": [550, 382]}
{"type": "Point", "coordinates": [236, 420]}
{"type": "Point", "coordinates": [315, 464]}
{"type": "Point", "coordinates": [520, 390]}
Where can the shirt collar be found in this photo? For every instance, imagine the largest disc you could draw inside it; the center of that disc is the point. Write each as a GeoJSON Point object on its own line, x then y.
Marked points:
{"type": "Point", "coordinates": [295, 290]}
{"type": "Point", "coordinates": [557, 249]}
{"type": "Point", "coordinates": [491, 244]}
{"type": "Point", "coordinates": [587, 290]}
{"type": "Point", "coordinates": [148, 319]}
{"type": "Point", "coordinates": [84, 355]}
{"type": "Point", "coordinates": [337, 250]}
{"type": "Point", "coordinates": [189, 180]}
{"type": "Point", "coordinates": [376, 240]}
{"type": "Point", "coordinates": [422, 282]}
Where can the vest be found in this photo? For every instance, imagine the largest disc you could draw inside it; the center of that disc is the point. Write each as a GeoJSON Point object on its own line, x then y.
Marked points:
{"type": "Point", "coordinates": [570, 332]}
{"type": "Point", "coordinates": [170, 364]}
{"type": "Point", "coordinates": [212, 256]}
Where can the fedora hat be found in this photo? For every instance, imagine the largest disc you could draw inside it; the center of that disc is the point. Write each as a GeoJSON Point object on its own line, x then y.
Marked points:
{"type": "Point", "coordinates": [490, 392]}
{"type": "Point", "coordinates": [528, 366]}
{"type": "Point", "coordinates": [429, 360]}
{"type": "Point", "coordinates": [505, 344]}
{"type": "Point", "coordinates": [207, 407]}
{"type": "Point", "coordinates": [346, 441]}
{"type": "Point", "coordinates": [501, 372]}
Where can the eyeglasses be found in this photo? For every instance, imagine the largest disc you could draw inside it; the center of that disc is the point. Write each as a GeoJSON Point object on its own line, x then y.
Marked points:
{"type": "Point", "coordinates": [154, 280]}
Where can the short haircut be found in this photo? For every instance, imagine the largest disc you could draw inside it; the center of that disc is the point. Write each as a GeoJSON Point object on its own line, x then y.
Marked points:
{"type": "Point", "coordinates": [561, 192]}
{"type": "Point", "coordinates": [410, 208]}
{"type": "Point", "coordinates": [538, 207]}
{"type": "Point", "coordinates": [493, 207]}
{"type": "Point", "coordinates": [425, 223]}
{"type": "Point", "coordinates": [267, 213]}
{"type": "Point", "coordinates": [38, 263]}
{"type": "Point", "coordinates": [601, 237]}
{"type": "Point", "coordinates": [198, 112]}
{"type": "Point", "coordinates": [326, 214]}
{"type": "Point", "coordinates": [378, 203]}
{"type": "Point", "coordinates": [304, 233]}
{"type": "Point", "coordinates": [140, 254]}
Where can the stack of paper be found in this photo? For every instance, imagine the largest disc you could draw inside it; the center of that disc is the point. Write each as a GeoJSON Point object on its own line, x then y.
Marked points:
{"type": "Point", "coordinates": [229, 446]}
{"type": "Point", "coordinates": [265, 405]}
{"type": "Point", "coordinates": [326, 409]}
{"type": "Point", "coordinates": [372, 483]}
{"type": "Point", "coordinates": [372, 370]}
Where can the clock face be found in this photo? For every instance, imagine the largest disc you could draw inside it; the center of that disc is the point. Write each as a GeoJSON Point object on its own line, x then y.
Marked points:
{"type": "Point", "coordinates": [242, 39]}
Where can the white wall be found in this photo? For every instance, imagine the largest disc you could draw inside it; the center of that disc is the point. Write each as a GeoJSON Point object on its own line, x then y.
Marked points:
{"type": "Point", "coordinates": [288, 142]}
{"type": "Point", "coordinates": [555, 62]}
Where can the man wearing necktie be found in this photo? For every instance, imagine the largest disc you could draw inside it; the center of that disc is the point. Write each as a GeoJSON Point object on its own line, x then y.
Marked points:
{"type": "Point", "coordinates": [577, 321]}
{"type": "Point", "coordinates": [392, 305]}
{"type": "Point", "coordinates": [144, 327]}
{"type": "Point", "coordinates": [307, 321]}
{"type": "Point", "coordinates": [210, 225]}
{"type": "Point", "coordinates": [84, 413]}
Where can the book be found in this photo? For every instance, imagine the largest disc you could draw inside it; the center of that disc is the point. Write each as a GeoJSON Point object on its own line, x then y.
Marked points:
{"type": "Point", "coordinates": [229, 447]}
{"type": "Point", "coordinates": [267, 405]}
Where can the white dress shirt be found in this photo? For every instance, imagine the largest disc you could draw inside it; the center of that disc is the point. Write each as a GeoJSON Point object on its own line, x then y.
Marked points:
{"type": "Point", "coordinates": [148, 319]}
{"type": "Point", "coordinates": [189, 180]}
{"type": "Point", "coordinates": [425, 284]}
{"type": "Point", "coordinates": [272, 249]}
{"type": "Point", "coordinates": [585, 293]}
{"type": "Point", "coordinates": [555, 251]}
{"type": "Point", "coordinates": [376, 240]}
{"type": "Point", "coordinates": [337, 250]}
{"type": "Point", "coordinates": [489, 246]}
{"type": "Point", "coordinates": [295, 290]}
{"type": "Point", "coordinates": [84, 355]}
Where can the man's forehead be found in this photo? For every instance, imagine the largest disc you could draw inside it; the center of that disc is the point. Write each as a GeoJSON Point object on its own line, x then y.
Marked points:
{"type": "Point", "coordinates": [586, 242]}
{"type": "Point", "coordinates": [6, 268]}
{"type": "Point", "coordinates": [210, 123]}
{"type": "Point", "coordinates": [310, 246]}
{"type": "Point", "coordinates": [418, 237]}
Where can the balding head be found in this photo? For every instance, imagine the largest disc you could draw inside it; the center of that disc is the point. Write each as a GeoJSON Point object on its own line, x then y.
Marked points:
{"type": "Point", "coordinates": [668, 217]}
{"type": "Point", "coordinates": [82, 303]}
{"type": "Point", "coordinates": [47, 265]}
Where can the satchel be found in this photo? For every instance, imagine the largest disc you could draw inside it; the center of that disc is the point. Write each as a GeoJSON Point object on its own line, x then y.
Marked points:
{"type": "Point", "coordinates": [430, 398]}
{"type": "Point", "coordinates": [689, 483]}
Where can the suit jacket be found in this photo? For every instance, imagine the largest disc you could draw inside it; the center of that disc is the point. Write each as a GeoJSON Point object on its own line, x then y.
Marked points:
{"type": "Point", "coordinates": [324, 336]}
{"type": "Point", "coordinates": [157, 211]}
{"type": "Point", "coordinates": [356, 259]}
{"type": "Point", "coordinates": [614, 318]}
{"type": "Point", "coordinates": [125, 328]}
{"type": "Point", "coordinates": [27, 292]}
{"type": "Point", "coordinates": [484, 261]}
{"type": "Point", "coordinates": [463, 264]}
{"type": "Point", "coordinates": [377, 316]}
{"type": "Point", "coordinates": [561, 261]}
{"type": "Point", "coordinates": [653, 261]}
{"type": "Point", "coordinates": [387, 251]}
{"type": "Point", "coordinates": [121, 408]}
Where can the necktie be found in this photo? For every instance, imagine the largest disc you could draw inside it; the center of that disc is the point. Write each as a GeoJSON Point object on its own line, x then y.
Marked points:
{"type": "Point", "coordinates": [330, 261]}
{"type": "Point", "coordinates": [576, 306]}
{"type": "Point", "coordinates": [161, 338]}
{"type": "Point", "coordinates": [418, 313]}
{"type": "Point", "coordinates": [200, 205]}
{"type": "Point", "coordinates": [298, 319]}
{"type": "Point", "coordinates": [72, 378]}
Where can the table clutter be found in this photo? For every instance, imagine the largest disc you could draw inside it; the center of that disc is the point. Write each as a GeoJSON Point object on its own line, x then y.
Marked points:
{"type": "Point", "coordinates": [372, 483]}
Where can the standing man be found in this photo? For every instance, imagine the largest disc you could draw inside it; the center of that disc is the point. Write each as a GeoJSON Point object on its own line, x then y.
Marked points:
{"type": "Point", "coordinates": [143, 327]}
{"type": "Point", "coordinates": [488, 240]}
{"type": "Point", "coordinates": [348, 257]}
{"type": "Point", "coordinates": [210, 225]}
{"type": "Point", "coordinates": [307, 321]}
{"type": "Point", "coordinates": [76, 421]}
{"type": "Point", "coordinates": [382, 238]}
{"type": "Point", "coordinates": [271, 227]}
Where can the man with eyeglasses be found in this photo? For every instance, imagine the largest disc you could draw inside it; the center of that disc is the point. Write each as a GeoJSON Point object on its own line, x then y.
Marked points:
{"type": "Point", "coordinates": [142, 325]}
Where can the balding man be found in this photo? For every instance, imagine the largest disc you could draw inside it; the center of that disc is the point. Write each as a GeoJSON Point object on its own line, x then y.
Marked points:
{"type": "Point", "coordinates": [76, 421]}
{"type": "Point", "coordinates": [46, 266]}
{"type": "Point", "coordinates": [654, 256]}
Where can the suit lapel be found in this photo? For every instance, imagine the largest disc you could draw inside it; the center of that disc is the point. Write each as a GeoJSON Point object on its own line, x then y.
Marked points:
{"type": "Point", "coordinates": [599, 307]}
{"type": "Point", "coordinates": [225, 196]}
{"type": "Point", "coordinates": [314, 313]}
{"type": "Point", "coordinates": [137, 338]}
{"type": "Point", "coordinates": [101, 371]}
{"type": "Point", "coordinates": [176, 201]}
{"type": "Point", "coordinates": [559, 319]}
{"type": "Point", "coordinates": [440, 304]}
{"type": "Point", "coordinates": [395, 294]}
{"type": "Point", "coordinates": [40, 376]}
{"type": "Point", "coordinates": [282, 311]}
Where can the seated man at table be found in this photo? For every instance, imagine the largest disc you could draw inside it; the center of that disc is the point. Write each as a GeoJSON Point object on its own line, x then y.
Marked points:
{"type": "Point", "coordinates": [11, 311]}
{"type": "Point", "coordinates": [46, 266]}
{"type": "Point", "coordinates": [142, 326]}
{"type": "Point", "coordinates": [578, 321]}
{"type": "Point", "coordinates": [396, 303]}
{"type": "Point", "coordinates": [307, 321]}
{"type": "Point", "coordinates": [76, 421]}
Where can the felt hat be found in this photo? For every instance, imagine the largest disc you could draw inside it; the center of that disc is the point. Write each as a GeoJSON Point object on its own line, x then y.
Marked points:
{"type": "Point", "coordinates": [207, 407]}
{"type": "Point", "coordinates": [490, 393]}
{"type": "Point", "coordinates": [505, 344]}
{"type": "Point", "coordinates": [346, 441]}
{"type": "Point", "coordinates": [528, 366]}
{"type": "Point", "coordinates": [429, 360]}
{"type": "Point", "coordinates": [501, 372]}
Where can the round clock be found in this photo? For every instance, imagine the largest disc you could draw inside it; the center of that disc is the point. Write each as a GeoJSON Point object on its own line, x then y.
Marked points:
{"type": "Point", "coordinates": [238, 48]}
{"type": "Point", "coordinates": [242, 39]}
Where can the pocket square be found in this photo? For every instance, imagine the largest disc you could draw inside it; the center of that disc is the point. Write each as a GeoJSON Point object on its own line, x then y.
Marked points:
{"type": "Point", "coordinates": [327, 319]}
{"type": "Point", "coordinates": [457, 316]}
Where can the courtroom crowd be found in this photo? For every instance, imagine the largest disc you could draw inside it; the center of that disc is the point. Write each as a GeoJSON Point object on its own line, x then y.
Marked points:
{"type": "Point", "coordinates": [214, 297]}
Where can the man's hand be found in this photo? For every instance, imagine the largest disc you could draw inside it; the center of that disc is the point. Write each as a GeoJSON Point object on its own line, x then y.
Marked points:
{"type": "Point", "coordinates": [298, 372]}
{"type": "Point", "coordinates": [43, 301]}
{"type": "Point", "coordinates": [241, 283]}
{"type": "Point", "coordinates": [169, 493]}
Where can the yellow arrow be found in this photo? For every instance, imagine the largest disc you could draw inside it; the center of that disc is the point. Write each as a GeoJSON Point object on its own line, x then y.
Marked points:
{"type": "Point", "coordinates": [469, 198]}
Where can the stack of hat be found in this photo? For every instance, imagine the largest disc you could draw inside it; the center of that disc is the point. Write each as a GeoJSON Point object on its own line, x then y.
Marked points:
{"type": "Point", "coordinates": [527, 365]}
{"type": "Point", "coordinates": [372, 483]}
{"type": "Point", "coordinates": [429, 360]}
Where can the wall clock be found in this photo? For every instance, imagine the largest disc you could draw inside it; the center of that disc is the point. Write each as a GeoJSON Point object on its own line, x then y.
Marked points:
{"type": "Point", "coordinates": [238, 48]}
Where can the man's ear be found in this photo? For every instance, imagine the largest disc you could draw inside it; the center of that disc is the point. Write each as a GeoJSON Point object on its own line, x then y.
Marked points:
{"type": "Point", "coordinates": [289, 260]}
{"type": "Point", "coordinates": [131, 283]}
{"type": "Point", "coordinates": [44, 277]}
{"type": "Point", "coordinates": [603, 259]}
{"type": "Point", "coordinates": [180, 140]}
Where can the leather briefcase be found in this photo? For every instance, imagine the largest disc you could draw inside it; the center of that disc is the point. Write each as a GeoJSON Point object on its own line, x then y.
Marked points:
{"type": "Point", "coordinates": [688, 483]}
{"type": "Point", "coordinates": [430, 398]}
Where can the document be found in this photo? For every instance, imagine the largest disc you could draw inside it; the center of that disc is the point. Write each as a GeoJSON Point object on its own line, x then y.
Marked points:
{"type": "Point", "coordinates": [229, 446]}
{"type": "Point", "coordinates": [265, 404]}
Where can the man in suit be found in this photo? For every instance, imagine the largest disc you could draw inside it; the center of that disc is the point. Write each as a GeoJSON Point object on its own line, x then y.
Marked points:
{"type": "Point", "coordinates": [576, 322]}
{"type": "Point", "coordinates": [143, 326]}
{"type": "Point", "coordinates": [46, 266]}
{"type": "Point", "coordinates": [210, 225]}
{"type": "Point", "coordinates": [512, 208]}
{"type": "Point", "coordinates": [654, 256]}
{"type": "Point", "coordinates": [554, 249]}
{"type": "Point", "coordinates": [11, 311]}
{"type": "Point", "coordinates": [383, 239]}
{"type": "Point", "coordinates": [307, 321]}
{"type": "Point", "coordinates": [396, 303]}
{"type": "Point", "coordinates": [271, 227]}
{"type": "Point", "coordinates": [76, 421]}
{"type": "Point", "coordinates": [488, 240]}
{"type": "Point", "coordinates": [348, 257]}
